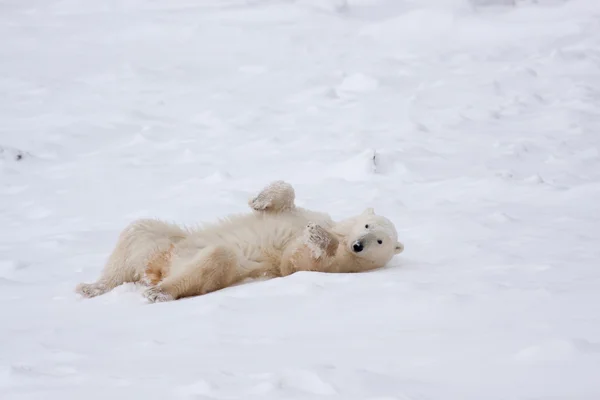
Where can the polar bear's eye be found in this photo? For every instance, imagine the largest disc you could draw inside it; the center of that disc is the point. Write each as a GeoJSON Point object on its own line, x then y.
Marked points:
{"type": "Point", "coordinates": [367, 226]}
{"type": "Point", "coordinates": [379, 241]}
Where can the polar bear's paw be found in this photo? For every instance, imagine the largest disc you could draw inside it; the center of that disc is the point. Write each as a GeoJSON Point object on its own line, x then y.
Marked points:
{"type": "Point", "coordinates": [157, 295]}
{"type": "Point", "coordinates": [319, 241]}
{"type": "Point", "coordinates": [91, 289]}
{"type": "Point", "coordinates": [277, 196]}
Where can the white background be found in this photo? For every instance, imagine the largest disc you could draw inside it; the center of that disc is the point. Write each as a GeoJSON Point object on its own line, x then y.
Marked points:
{"type": "Point", "coordinates": [484, 117]}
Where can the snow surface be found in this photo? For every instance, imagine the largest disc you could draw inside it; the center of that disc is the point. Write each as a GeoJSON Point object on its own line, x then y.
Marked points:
{"type": "Point", "coordinates": [484, 121]}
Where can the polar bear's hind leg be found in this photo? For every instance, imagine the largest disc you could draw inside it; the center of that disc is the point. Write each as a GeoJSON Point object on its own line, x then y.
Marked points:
{"type": "Point", "coordinates": [276, 197]}
{"type": "Point", "coordinates": [92, 289]}
{"type": "Point", "coordinates": [158, 266]}
{"type": "Point", "coordinates": [117, 271]}
{"type": "Point", "coordinates": [213, 268]}
{"type": "Point", "coordinates": [138, 247]}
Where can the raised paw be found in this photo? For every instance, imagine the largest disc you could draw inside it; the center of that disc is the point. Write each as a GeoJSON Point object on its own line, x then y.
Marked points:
{"type": "Point", "coordinates": [319, 240]}
{"type": "Point", "coordinates": [157, 295]}
{"type": "Point", "coordinates": [277, 196]}
{"type": "Point", "coordinates": [315, 232]}
{"type": "Point", "coordinates": [91, 289]}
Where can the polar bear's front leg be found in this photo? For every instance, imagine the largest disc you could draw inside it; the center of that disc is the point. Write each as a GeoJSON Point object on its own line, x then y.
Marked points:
{"type": "Point", "coordinates": [320, 242]}
{"type": "Point", "coordinates": [315, 250]}
{"type": "Point", "coordinates": [213, 268]}
{"type": "Point", "coordinates": [277, 197]}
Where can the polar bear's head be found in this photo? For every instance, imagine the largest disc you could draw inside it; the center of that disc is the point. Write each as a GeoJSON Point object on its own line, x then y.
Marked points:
{"type": "Point", "coordinates": [370, 236]}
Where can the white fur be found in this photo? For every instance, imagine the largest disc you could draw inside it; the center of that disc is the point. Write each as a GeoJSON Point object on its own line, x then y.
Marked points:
{"type": "Point", "coordinates": [268, 241]}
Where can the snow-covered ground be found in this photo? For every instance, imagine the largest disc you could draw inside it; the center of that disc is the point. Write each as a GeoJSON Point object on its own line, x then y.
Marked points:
{"type": "Point", "coordinates": [484, 117]}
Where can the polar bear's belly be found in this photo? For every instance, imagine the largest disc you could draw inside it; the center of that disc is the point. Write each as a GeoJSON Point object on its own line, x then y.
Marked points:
{"type": "Point", "coordinates": [255, 236]}
{"type": "Point", "coordinates": [269, 235]}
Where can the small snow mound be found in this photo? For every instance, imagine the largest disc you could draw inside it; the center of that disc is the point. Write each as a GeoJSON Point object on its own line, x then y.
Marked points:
{"type": "Point", "coordinates": [548, 351]}
{"type": "Point", "coordinates": [369, 162]}
{"type": "Point", "coordinates": [262, 388]}
{"type": "Point", "coordinates": [500, 217]}
{"type": "Point", "coordinates": [200, 388]}
{"type": "Point", "coordinates": [357, 168]}
{"type": "Point", "coordinates": [9, 154]}
{"type": "Point", "coordinates": [128, 291]}
{"type": "Point", "coordinates": [357, 83]}
{"type": "Point", "coordinates": [187, 157]}
{"type": "Point", "coordinates": [334, 6]}
{"type": "Point", "coordinates": [388, 163]}
{"type": "Point", "coordinates": [137, 139]}
{"type": "Point", "coordinates": [29, 372]}
{"type": "Point", "coordinates": [534, 179]}
{"type": "Point", "coordinates": [585, 346]}
{"type": "Point", "coordinates": [306, 381]}
{"type": "Point", "coordinates": [9, 267]}
{"type": "Point", "coordinates": [276, 288]}
{"type": "Point", "coordinates": [505, 174]}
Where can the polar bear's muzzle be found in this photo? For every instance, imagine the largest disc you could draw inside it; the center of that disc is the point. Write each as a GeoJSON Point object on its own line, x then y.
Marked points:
{"type": "Point", "coordinates": [358, 246]}
{"type": "Point", "coordinates": [363, 242]}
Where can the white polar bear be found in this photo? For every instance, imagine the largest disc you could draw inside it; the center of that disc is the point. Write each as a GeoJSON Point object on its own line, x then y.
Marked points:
{"type": "Point", "coordinates": [276, 239]}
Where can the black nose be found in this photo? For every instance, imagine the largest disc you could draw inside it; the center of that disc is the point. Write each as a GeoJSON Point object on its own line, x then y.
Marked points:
{"type": "Point", "coordinates": [357, 247]}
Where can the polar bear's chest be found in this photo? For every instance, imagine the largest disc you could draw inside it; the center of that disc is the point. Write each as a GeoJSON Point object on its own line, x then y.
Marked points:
{"type": "Point", "coordinates": [260, 238]}
{"type": "Point", "coordinates": [267, 235]}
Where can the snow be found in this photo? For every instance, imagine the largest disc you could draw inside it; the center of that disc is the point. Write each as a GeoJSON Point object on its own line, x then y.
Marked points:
{"type": "Point", "coordinates": [473, 125]}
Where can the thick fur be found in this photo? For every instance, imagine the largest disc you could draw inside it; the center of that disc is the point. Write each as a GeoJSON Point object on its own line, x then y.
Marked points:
{"type": "Point", "coordinates": [275, 239]}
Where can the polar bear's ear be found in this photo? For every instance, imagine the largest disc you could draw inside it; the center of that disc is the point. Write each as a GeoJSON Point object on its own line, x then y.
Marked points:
{"type": "Point", "coordinates": [369, 211]}
{"type": "Point", "coordinates": [399, 248]}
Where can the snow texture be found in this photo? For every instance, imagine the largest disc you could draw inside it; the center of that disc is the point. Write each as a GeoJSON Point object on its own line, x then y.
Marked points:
{"type": "Point", "coordinates": [472, 124]}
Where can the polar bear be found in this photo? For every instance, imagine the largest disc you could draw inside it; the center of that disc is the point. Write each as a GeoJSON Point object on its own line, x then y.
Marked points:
{"type": "Point", "coordinates": [275, 239]}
